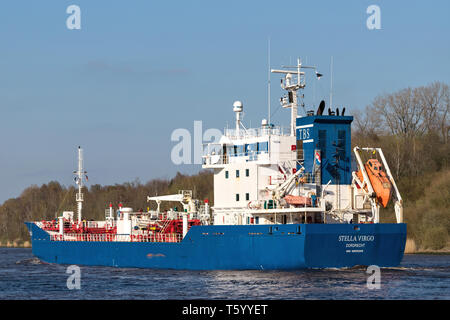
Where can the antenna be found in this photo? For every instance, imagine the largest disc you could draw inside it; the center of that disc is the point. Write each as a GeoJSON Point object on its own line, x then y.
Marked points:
{"type": "Point", "coordinates": [314, 94]}
{"type": "Point", "coordinates": [80, 174]}
{"type": "Point", "coordinates": [268, 78]}
{"type": "Point", "coordinates": [331, 84]}
{"type": "Point", "coordinates": [294, 80]}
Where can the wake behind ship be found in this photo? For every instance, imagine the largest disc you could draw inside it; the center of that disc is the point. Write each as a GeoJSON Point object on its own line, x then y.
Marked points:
{"type": "Point", "coordinates": [284, 198]}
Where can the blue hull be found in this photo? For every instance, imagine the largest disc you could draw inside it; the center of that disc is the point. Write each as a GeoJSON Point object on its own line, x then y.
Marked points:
{"type": "Point", "coordinates": [283, 247]}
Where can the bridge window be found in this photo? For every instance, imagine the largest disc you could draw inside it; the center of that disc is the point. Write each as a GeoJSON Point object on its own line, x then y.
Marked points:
{"type": "Point", "coordinates": [263, 146]}
{"type": "Point", "coordinates": [230, 151]}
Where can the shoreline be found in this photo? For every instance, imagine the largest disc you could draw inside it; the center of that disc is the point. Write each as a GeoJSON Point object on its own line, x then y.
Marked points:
{"type": "Point", "coordinates": [443, 253]}
{"type": "Point", "coordinates": [15, 244]}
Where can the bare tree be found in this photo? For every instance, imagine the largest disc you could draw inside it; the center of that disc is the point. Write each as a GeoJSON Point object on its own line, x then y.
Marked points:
{"type": "Point", "coordinates": [401, 112]}
{"type": "Point", "coordinates": [412, 125]}
{"type": "Point", "coordinates": [366, 122]}
{"type": "Point", "coordinates": [435, 100]}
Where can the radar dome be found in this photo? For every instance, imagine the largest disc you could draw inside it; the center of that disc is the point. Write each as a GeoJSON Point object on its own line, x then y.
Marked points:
{"type": "Point", "coordinates": [238, 106]}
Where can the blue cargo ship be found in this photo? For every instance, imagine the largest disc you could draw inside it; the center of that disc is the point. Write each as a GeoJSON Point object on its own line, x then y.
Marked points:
{"type": "Point", "coordinates": [284, 198]}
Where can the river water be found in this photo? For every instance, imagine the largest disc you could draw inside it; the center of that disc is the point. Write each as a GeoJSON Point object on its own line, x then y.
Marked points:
{"type": "Point", "coordinates": [22, 276]}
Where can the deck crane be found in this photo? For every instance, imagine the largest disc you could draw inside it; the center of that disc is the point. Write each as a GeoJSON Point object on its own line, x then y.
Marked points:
{"type": "Point", "coordinates": [370, 192]}
{"type": "Point", "coordinates": [282, 189]}
{"type": "Point", "coordinates": [185, 197]}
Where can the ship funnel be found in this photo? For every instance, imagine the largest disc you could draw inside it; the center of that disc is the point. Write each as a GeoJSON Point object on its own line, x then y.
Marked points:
{"type": "Point", "coordinates": [321, 108]}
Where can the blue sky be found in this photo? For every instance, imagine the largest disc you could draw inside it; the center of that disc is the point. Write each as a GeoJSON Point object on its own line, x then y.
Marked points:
{"type": "Point", "coordinates": [138, 70]}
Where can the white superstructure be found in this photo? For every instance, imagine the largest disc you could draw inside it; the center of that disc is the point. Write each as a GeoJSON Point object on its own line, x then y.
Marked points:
{"type": "Point", "coordinates": [273, 174]}
{"type": "Point", "coordinates": [251, 165]}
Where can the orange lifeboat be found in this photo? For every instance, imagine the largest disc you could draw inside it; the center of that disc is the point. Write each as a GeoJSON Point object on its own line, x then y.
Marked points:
{"type": "Point", "coordinates": [379, 180]}
{"type": "Point", "coordinates": [298, 200]}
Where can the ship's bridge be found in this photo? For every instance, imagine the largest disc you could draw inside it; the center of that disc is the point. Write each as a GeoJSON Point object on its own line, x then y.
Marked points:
{"type": "Point", "coordinates": [265, 145]}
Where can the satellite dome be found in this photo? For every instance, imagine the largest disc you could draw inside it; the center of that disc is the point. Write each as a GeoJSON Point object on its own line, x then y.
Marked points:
{"type": "Point", "coordinates": [238, 106]}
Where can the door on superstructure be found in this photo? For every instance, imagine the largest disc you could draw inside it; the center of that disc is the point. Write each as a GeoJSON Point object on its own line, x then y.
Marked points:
{"type": "Point", "coordinates": [299, 148]}
{"type": "Point", "coordinates": [224, 152]}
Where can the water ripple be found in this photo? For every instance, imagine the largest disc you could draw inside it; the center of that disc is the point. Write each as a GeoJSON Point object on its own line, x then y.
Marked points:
{"type": "Point", "coordinates": [23, 276]}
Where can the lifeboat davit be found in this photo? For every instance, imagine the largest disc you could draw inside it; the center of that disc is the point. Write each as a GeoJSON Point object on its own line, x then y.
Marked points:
{"type": "Point", "coordinates": [379, 180]}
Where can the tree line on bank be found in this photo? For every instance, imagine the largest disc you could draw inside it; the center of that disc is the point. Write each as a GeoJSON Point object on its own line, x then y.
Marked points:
{"type": "Point", "coordinates": [410, 125]}
{"type": "Point", "coordinates": [412, 128]}
{"type": "Point", "coordinates": [51, 199]}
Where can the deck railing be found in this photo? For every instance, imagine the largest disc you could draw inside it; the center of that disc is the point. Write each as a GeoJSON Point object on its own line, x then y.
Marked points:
{"type": "Point", "coordinates": [106, 237]}
{"type": "Point", "coordinates": [257, 132]}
